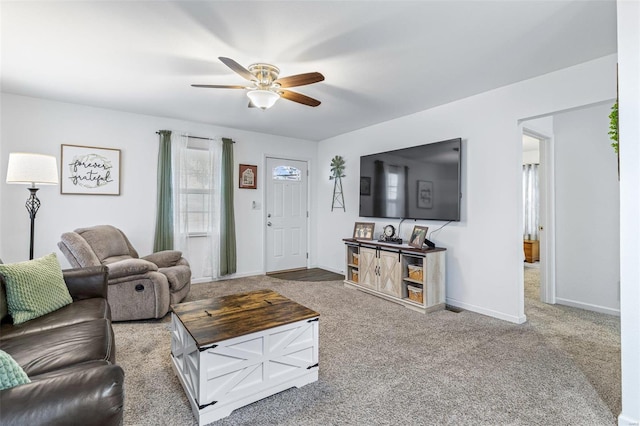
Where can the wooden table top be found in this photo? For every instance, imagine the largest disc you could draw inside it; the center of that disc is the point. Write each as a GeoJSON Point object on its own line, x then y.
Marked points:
{"type": "Point", "coordinates": [221, 318]}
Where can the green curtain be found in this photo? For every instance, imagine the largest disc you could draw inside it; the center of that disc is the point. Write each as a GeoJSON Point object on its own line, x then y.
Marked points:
{"type": "Point", "coordinates": [227, 215]}
{"type": "Point", "coordinates": [164, 219]}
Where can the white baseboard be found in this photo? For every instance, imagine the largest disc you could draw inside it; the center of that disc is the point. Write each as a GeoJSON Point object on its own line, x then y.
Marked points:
{"type": "Point", "coordinates": [202, 280]}
{"type": "Point", "coordinates": [225, 277]}
{"type": "Point", "coordinates": [335, 270]}
{"type": "Point", "coordinates": [243, 275]}
{"type": "Point", "coordinates": [627, 421]}
{"type": "Point", "coordinates": [488, 312]}
{"type": "Point", "coordinates": [588, 306]}
{"type": "Point", "coordinates": [253, 274]}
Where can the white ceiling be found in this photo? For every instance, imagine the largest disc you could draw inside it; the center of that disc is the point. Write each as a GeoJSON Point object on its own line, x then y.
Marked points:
{"type": "Point", "coordinates": [381, 59]}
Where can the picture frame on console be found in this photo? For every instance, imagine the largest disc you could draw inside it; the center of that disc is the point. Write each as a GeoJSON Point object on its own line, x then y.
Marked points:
{"type": "Point", "coordinates": [363, 230]}
{"type": "Point", "coordinates": [418, 235]}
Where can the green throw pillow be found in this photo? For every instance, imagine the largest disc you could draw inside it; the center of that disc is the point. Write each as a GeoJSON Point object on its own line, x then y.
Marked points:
{"type": "Point", "coordinates": [34, 288]}
{"type": "Point", "coordinates": [11, 374]}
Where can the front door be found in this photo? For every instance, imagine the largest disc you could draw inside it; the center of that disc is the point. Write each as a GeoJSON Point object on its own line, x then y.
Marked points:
{"type": "Point", "coordinates": [286, 209]}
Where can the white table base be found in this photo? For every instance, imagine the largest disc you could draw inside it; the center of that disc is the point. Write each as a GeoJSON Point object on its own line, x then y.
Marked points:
{"type": "Point", "coordinates": [232, 373]}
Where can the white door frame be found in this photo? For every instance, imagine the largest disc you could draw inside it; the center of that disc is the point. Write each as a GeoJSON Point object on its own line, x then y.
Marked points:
{"type": "Point", "coordinates": [265, 176]}
{"type": "Point", "coordinates": [547, 216]}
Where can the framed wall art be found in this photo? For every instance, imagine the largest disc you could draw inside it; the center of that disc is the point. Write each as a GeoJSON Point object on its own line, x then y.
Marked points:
{"type": "Point", "coordinates": [363, 230]}
{"type": "Point", "coordinates": [89, 170]}
{"type": "Point", "coordinates": [248, 176]}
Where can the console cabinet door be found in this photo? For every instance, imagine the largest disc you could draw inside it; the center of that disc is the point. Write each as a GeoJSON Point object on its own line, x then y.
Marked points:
{"type": "Point", "coordinates": [368, 268]}
{"type": "Point", "coordinates": [390, 273]}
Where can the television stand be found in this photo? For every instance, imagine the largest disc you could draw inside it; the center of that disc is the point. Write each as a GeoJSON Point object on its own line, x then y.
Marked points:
{"type": "Point", "coordinates": [409, 276]}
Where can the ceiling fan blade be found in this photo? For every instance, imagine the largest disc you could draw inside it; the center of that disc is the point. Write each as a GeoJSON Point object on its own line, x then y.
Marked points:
{"type": "Point", "coordinates": [299, 98]}
{"type": "Point", "coordinates": [237, 68]}
{"type": "Point", "coordinates": [217, 86]}
{"type": "Point", "coordinates": [300, 79]}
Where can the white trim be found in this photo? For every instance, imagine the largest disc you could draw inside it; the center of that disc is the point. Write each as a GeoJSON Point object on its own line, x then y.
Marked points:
{"type": "Point", "coordinates": [562, 111]}
{"type": "Point", "coordinates": [547, 216]}
{"type": "Point", "coordinates": [489, 312]}
{"type": "Point", "coordinates": [205, 280]}
{"type": "Point", "coordinates": [588, 306]}
{"type": "Point", "coordinates": [331, 269]}
{"type": "Point", "coordinates": [627, 421]}
{"type": "Point", "coordinates": [202, 280]}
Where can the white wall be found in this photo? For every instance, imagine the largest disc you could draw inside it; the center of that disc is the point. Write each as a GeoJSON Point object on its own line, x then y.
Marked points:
{"type": "Point", "coordinates": [36, 125]}
{"type": "Point", "coordinates": [587, 211]}
{"type": "Point", "coordinates": [531, 157]}
{"type": "Point", "coordinates": [629, 84]}
{"type": "Point", "coordinates": [484, 260]}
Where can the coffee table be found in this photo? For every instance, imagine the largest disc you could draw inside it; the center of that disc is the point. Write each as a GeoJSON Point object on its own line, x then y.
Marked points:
{"type": "Point", "coordinates": [233, 350]}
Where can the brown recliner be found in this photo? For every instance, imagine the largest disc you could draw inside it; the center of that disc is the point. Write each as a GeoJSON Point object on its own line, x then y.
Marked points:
{"type": "Point", "coordinates": [139, 288]}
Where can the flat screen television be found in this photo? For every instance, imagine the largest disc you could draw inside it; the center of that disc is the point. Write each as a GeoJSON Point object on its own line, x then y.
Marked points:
{"type": "Point", "coordinates": [420, 182]}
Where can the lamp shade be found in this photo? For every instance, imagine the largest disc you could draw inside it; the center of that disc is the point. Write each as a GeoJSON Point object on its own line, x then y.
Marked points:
{"type": "Point", "coordinates": [30, 168]}
{"type": "Point", "coordinates": [263, 98]}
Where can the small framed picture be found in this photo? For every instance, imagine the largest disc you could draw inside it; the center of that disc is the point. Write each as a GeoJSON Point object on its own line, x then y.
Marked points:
{"type": "Point", "coordinates": [418, 236]}
{"type": "Point", "coordinates": [363, 230]}
{"type": "Point", "coordinates": [248, 176]}
{"type": "Point", "coordinates": [89, 170]}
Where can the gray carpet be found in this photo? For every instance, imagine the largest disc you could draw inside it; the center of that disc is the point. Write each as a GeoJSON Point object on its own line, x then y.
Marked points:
{"type": "Point", "coordinates": [382, 364]}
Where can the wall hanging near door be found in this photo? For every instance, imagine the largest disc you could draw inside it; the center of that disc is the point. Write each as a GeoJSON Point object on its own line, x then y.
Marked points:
{"type": "Point", "coordinates": [337, 173]}
{"type": "Point", "coordinates": [248, 176]}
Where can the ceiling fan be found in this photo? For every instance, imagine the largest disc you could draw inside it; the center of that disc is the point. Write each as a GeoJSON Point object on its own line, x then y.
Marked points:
{"type": "Point", "coordinates": [266, 88]}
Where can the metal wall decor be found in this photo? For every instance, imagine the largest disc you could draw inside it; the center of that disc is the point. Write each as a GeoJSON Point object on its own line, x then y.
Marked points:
{"type": "Point", "coordinates": [337, 173]}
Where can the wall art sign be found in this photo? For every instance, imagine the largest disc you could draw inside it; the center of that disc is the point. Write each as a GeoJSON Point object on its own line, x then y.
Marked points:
{"type": "Point", "coordinates": [248, 176]}
{"type": "Point", "coordinates": [89, 170]}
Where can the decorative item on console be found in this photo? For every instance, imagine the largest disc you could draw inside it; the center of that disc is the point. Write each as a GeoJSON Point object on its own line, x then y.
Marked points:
{"type": "Point", "coordinates": [389, 235]}
{"type": "Point", "coordinates": [363, 230]}
{"type": "Point", "coordinates": [418, 236]}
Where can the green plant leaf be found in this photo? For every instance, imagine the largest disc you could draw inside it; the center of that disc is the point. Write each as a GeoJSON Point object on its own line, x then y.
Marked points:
{"type": "Point", "coordinates": [613, 127]}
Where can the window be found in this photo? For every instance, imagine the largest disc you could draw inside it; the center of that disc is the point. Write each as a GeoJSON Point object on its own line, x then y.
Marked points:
{"type": "Point", "coordinates": [195, 191]}
{"type": "Point", "coordinates": [286, 173]}
{"type": "Point", "coordinates": [196, 169]}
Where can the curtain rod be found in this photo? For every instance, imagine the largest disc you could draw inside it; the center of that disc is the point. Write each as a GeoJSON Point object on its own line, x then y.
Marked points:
{"type": "Point", "coordinates": [198, 137]}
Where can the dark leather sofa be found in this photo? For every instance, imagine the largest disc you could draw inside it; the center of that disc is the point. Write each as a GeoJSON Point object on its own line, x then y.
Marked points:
{"type": "Point", "coordinates": [69, 356]}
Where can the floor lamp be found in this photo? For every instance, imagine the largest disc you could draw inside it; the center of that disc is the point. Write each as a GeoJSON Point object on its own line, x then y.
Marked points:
{"type": "Point", "coordinates": [27, 168]}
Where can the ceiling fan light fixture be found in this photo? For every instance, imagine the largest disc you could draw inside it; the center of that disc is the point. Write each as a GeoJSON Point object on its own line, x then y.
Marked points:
{"type": "Point", "coordinates": [263, 99]}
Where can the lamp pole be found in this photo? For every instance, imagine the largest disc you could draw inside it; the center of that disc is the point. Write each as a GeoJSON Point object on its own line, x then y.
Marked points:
{"type": "Point", "coordinates": [32, 205]}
